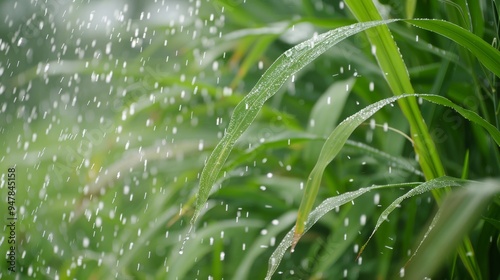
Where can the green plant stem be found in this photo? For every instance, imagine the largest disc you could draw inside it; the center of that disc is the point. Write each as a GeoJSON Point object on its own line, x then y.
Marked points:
{"type": "Point", "coordinates": [396, 74]}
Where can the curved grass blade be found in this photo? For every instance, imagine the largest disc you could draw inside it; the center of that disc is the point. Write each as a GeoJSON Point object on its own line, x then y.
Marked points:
{"type": "Point", "coordinates": [326, 206]}
{"type": "Point", "coordinates": [468, 114]}
{"type": "Point", "coordinates": [275, 76]}
{"type": "Point", "coordinates": [485, 53]}
{"type": "Point", "coordinates": [292, 61]}
{"type": "Point", "coordinates": [338, 138]}
{"type": "Point", "coordinates": [437, 183]}
{"type": "Point", "coordinates": [331, 148]}
{"type": "Point", "coordinates": [395, 72]}
{"type": "Point", "coordinates": [457, 215]}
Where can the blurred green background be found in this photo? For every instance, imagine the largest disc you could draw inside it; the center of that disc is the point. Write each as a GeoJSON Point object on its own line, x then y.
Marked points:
{"type": "Point", "coordinates": [109, 110]}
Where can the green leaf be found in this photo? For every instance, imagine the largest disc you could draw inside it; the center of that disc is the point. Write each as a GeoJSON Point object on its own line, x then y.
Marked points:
{"type": "Point", "coordinates": [457, 215]}
{"type": "Point", "coordinates": [485, 53]}
{"type": "Point", "coordinates": [329, 151]}
{"type": "Point", "coordinates": [341, 133]}
{"type": "Point", "coordinates": [297, 57]}
{"type": "Point", "coordinates": [440, 182]}
{"type": "Point", "coordinates": [477, 17]}
{"type": "Point", "coordinates": [396, 74]}
{"type": "Point", "coordinates": [417, 188]}
{"type": "Point", "coordinates": [326, 206]}
{"type": "Point", "coordinates": [246, 111]}
{"type": "Point", "coordinates": [468, 114]}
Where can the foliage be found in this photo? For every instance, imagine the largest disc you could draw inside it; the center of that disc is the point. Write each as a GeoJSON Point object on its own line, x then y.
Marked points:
{"type": "Point", "coordinates": [203, 139]}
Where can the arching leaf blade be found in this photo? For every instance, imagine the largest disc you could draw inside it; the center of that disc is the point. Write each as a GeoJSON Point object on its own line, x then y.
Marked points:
{"type": "Point", "coordinates": [437, 183]}
{"type": "Point", "coordinates": [485, 53]}
{"type": "Point", "coordinates": [332, 146]}
{"type": "Point", "coordinates": [468, 114]}
{"type": "Point", "coordinates": [275, 76]}
{"type": "Point", "coordinates": [326, 206]}
{"type": "Point", "coordinates": [339, 136]}
{"type": "Point", "coordinates": [457, 215]}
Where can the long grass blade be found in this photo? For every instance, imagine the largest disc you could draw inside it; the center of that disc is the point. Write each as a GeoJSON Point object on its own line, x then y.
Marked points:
{"type": "Point", "coordinates": [337, 139]}
{"type": "Point", "coordinates": [331, 148]}
{"type": "Point", "coordinates": [485, 53]}
{"type": "Point", "coordinates": [325, 207]}
{"type": "Point", "coordinates": [396, 74]}
{"type": "Point", "coordinates": [457, 215]}
{"type": "Point", "coordinates": [468, 114]}
{"type": "Point", "coordinates": [441, 182]}
{"type": "Point", "coordinates": [275, 76]}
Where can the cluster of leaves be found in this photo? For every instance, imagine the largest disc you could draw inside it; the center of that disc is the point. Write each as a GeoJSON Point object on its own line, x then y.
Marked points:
{"type": "Point", "coordinates": [210, 146]}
